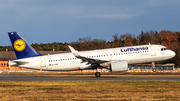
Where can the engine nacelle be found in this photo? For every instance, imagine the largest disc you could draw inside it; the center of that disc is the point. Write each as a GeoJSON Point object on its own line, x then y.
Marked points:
{"type": "Point", "coordinates": [119, 66]}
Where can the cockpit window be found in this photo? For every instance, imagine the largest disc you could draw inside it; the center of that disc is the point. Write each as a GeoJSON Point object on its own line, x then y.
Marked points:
{"type": "Point", "coordinates": [163, 49]}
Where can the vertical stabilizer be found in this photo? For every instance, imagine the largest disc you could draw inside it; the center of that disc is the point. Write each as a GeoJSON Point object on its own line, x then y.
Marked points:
{"type": "Point", "coordinates": [21, 48]}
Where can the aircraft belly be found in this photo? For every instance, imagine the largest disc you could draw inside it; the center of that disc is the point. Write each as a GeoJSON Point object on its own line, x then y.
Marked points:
{"type": "Point", "coordinates": [147, 59]}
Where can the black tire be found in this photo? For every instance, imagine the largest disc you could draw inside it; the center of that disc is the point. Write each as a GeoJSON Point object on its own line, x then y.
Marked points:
{"type": "Point", "coordinates": [154, 69]}
{"type": "Point", "coordinates": [97, 74]}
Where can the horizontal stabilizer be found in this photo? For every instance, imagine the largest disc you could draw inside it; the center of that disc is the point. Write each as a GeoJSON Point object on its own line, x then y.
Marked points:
{"type": "Point", "coordinates": [18, 62]}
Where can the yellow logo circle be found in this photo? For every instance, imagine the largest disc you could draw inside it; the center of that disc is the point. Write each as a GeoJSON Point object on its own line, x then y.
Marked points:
{"type": "Point", "coordinates": [19, 45]}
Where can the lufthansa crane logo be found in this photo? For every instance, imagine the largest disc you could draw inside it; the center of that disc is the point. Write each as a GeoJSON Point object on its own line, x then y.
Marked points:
{"type": "Point", "coordinates": [19, 45]}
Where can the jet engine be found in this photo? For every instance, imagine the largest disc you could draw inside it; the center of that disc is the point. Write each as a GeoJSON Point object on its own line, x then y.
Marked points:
{"type": "Point", "coordinates": [119, 66]}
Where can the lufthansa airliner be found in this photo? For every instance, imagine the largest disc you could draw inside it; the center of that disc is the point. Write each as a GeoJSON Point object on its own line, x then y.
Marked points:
{"type": "Point", "coordinates": [114, 59]}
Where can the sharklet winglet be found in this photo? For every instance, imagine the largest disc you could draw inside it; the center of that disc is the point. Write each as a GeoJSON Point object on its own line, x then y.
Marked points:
{"type": "Point", "coordinates": [75, 53]}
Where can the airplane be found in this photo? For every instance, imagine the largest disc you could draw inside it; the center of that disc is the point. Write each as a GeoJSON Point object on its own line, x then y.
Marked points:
{"type": "Point", "coordinates": [114, 59]}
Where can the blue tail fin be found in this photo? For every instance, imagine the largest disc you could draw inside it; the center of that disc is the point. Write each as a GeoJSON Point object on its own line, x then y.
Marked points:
{"type": "Point", "coordinates": [21, 48]}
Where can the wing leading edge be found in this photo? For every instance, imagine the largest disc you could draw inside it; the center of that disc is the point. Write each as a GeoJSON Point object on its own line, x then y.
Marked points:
{"type": "Point", "coordinates": [91, 61]}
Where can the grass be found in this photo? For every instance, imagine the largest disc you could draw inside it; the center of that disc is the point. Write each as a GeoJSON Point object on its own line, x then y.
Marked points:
{"type": "Point", "coordinates": [89, 90]}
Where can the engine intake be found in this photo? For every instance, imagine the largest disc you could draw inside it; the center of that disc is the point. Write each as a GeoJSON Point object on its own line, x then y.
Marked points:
{"type": "Point", "coordinates": [119, 66]}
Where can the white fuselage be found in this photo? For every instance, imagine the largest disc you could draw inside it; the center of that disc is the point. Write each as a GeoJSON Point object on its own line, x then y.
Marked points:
{"type": "Point", "coordinates": [67, 61]}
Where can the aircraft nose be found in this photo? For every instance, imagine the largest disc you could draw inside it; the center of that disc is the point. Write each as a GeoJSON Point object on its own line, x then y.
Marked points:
{"type": "Point", "coordinates": [172, 53]}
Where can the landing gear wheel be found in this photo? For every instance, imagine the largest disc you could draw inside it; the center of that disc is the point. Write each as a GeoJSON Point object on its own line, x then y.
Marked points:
{"type": "Point", "coordinates": [154, 69]}
{"type": "Point", "coordinates": [97, 74]}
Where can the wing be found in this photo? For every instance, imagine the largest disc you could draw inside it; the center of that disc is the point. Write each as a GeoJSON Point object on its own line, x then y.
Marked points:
{"type": "Point", "coordinates": [85, 59]}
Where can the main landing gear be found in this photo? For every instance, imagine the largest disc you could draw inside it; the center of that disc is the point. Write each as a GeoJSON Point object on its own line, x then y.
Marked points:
{"type": "Point", "coordinates": [98, 74]}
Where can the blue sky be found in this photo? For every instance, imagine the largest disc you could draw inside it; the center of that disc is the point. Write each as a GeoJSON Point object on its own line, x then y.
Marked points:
{"type": "Point", "coordinates": [47, 21]}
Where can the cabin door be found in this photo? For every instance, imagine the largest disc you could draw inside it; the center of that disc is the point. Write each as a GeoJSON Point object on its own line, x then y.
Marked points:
{"type": "Point", "coordinates": [153, 51]}
{"type": "Point", "coordinates": [43, 64]}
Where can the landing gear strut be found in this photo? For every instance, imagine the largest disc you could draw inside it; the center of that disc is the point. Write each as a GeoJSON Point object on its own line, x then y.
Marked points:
{"type": "Point", "coordinates": [98, 74]}
{"type": "Point", "coordinates": [154, 69]}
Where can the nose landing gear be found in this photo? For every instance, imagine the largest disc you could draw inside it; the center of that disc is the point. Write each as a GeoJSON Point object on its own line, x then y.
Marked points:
{"type": "Point", "coordinates": [154, 69]}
